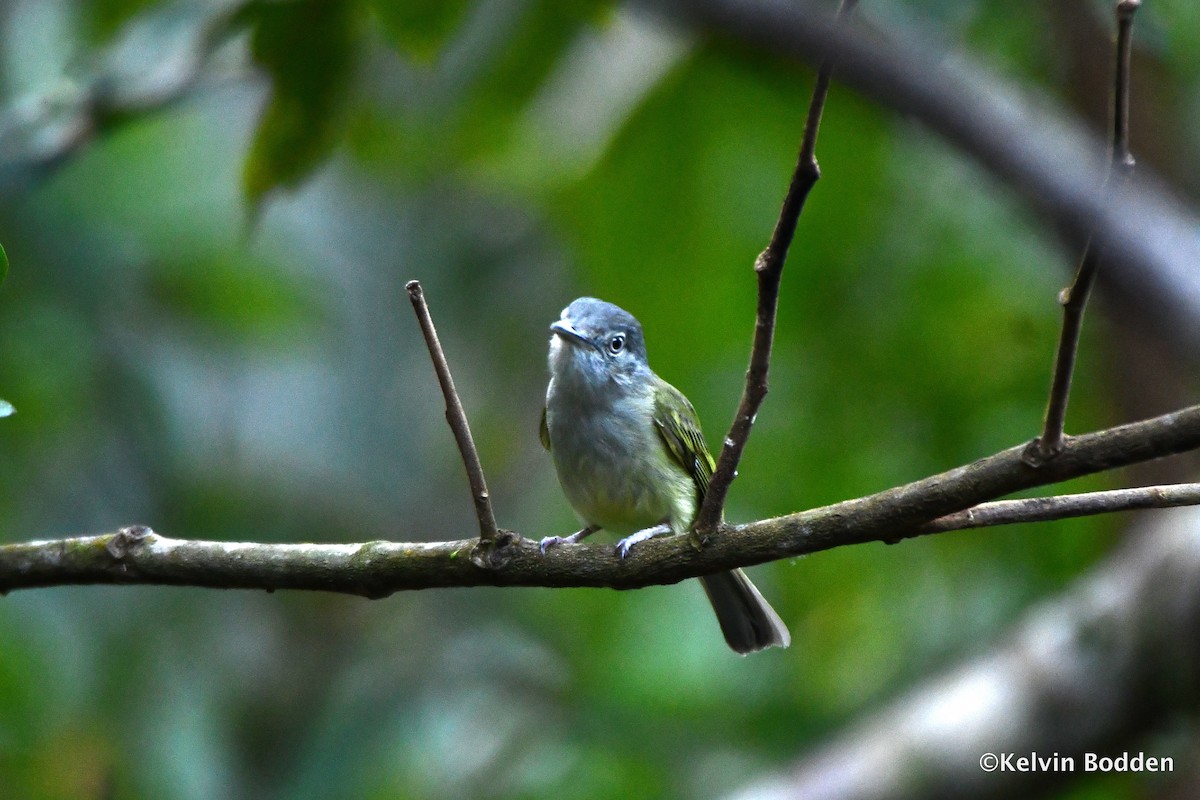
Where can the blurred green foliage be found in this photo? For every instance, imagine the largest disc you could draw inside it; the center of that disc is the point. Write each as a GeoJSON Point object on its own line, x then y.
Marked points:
{"type": "Point", "coordinates": [173, 369]}
{"type": "Point", "coordinates": [307, 48]}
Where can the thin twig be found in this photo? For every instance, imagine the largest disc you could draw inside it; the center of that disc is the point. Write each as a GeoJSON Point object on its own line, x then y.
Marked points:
{"type": "Point", "coordinates": [1075, 296]}
{"type": "Point", "coordinates": [769, 269]}
{"type": "Point", "coordinates": [455, 416]}
{"type": "Point", "coordinates": [1089, 670]}
{"type": "Point", "coordinates": [1065, 506]}
{"type": "Point", "coordinates": [376, 569]}
{"type": "Point", "coordinates": [1040, 153]}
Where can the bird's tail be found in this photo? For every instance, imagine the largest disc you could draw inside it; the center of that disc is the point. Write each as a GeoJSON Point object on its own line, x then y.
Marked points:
{"type": "Point", "coordinates": [747, 619]}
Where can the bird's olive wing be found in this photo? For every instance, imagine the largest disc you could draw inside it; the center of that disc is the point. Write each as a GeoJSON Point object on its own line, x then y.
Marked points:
{"type": "Point", "coordinates": [544, 431]}
{"type": "Point", "coordinates": [679, 428]}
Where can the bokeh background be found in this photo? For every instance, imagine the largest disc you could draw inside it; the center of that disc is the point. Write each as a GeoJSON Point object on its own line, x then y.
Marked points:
{"type": "Point", "coordinates": [205, 330]}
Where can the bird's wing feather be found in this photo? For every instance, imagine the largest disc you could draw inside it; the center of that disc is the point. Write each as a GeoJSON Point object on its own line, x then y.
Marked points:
{"type": "Point", "coordinates": [679, 428]}
{"type": "Point", "coordinates": [544, 431]}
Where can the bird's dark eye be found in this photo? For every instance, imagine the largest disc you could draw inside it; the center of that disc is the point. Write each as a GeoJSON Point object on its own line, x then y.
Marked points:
{"type": "Point", "coordinates": [617, 343]}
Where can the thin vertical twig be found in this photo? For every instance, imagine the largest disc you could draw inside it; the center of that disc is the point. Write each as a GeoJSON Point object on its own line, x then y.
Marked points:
{"type": "Point", "coordinates": [455, 416]}
{"type": "Point", "coordinates": [768, 267]}
{"type": "Point", "coordinates": [1075, 296]}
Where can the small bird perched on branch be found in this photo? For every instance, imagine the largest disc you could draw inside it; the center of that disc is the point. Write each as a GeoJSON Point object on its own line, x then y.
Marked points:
{"type": "Point", "coordinates": [630, 456]}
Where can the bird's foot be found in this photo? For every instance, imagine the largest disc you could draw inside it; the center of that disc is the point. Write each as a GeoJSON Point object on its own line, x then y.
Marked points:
{"type": "Point", "coordinates": [574, 538]}
{"type": "Point", "coordinates": [550, 541]}
{"type": "Point", "coordinates": [626, 544]}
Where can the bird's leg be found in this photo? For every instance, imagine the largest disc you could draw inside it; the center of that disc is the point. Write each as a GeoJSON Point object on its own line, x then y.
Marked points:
{"type": "Point", "coordinates": [578, 536]}
{"type": "Point", "coordinates": [626, 544]}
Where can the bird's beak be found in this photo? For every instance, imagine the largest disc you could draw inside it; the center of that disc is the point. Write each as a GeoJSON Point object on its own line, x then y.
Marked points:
{"type": "Point", "coordinates": [567, 331]}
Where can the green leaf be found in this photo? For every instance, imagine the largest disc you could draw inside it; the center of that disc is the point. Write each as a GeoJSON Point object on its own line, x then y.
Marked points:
{"type": "Point", "coordinates": [307, 48]}
{"type": "Point", "coordinates": [3, 264]}
{"type": "Point", "coordinates": [6, 409]}
{"type": "Point", "coordinates": [419, 27]}
{"type": "Point", "coordinates": [511, 62]}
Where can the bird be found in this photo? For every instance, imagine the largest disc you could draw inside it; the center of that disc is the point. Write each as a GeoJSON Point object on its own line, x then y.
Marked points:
{"type": "Point", "coordinates": [630, 455]}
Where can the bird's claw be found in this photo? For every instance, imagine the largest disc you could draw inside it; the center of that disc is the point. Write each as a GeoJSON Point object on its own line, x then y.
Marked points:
{"type": "Point", "coordinates": [550, 541]}
{"type": "Point", "coordinates": [626, 544]}
{"type": "Point", "coordinates": [574, 538]}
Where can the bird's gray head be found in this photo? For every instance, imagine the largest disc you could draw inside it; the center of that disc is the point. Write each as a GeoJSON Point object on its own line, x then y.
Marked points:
{"type": "Point", "coordinates": [598, 343]}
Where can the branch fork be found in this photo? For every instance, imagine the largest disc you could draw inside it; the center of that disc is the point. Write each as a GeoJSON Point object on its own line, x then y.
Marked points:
{"type": "Point", "coordinates": [378, 568]}
{"type": "Point", "coordinates": [768, 267]}
{"type": "Point", "coordinates": [951, 501]}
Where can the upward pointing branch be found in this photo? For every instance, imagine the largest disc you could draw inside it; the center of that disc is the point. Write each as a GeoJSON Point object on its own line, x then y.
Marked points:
{"type": "Point", "coordinates": [769, 269]}
{"type": "Point", "coordinates": [455, 416]}
{"type": "Point", "coordinates": [1074, 297]}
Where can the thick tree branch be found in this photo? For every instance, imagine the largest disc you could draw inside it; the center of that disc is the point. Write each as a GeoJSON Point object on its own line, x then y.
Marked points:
{"type": "Point", "coordinates": [769, 270]}
{"type": "Point", "coordinates": [159, 60]}
{"type": "Point", "coordinates": [456, 417]}
{"type": "Point", "coordinates": [1155, 248]}
{"type": "Point", "coordinates": [1035, 150]}
{"type": "Point", "coordinates": [1075, 296]}
{"type": "Point", "coordinates": [375, 569]}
